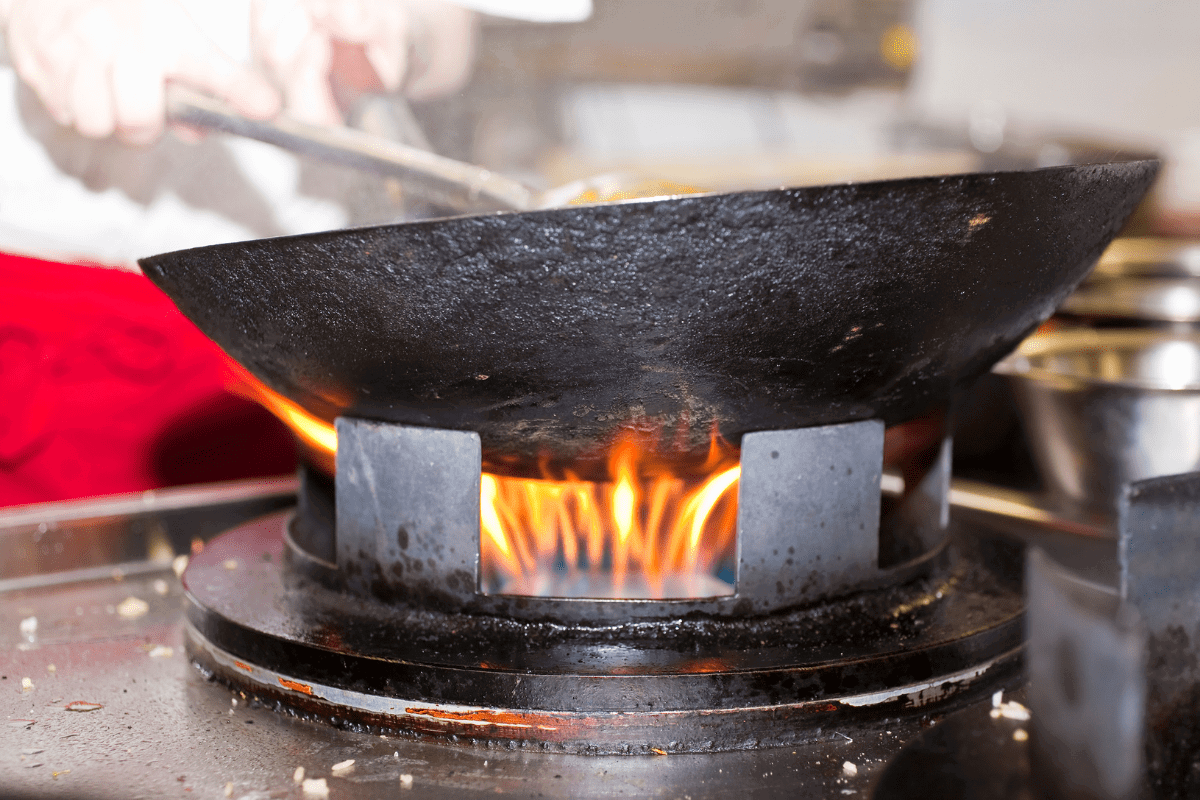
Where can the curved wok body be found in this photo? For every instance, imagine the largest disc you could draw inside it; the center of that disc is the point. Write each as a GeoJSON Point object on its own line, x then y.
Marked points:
{"type": "Point", "coordinates": [545, 331]}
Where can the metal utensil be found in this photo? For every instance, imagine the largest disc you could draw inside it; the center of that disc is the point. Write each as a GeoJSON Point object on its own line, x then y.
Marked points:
{"type": "Point", "coordinates": [1106, 407]}
{"type": "Point", "coordinates": [446, 181]}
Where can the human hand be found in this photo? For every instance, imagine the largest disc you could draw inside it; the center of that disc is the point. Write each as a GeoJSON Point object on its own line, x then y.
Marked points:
{"type": "Point", "coordinates": [424, 47]}
{"type": "Point", "coordinates": [102, 65]}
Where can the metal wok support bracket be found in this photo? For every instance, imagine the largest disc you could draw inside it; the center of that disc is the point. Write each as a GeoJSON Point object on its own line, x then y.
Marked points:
{"type": "Point", "coordinates": [407, 524]}
{"type": "Point", "coordinates": [808, 513]}
{"type": "Point", "coordinates": [408, 512]}
{"type": "Point", "coordinates": [1115, 672]}
{"type": "Point", "coordinates": [1086, 686]}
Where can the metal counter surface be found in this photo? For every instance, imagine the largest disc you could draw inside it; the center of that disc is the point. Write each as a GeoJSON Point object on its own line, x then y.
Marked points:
{"type": "Point", "coordinates": [115, 710]}
{"type": "Point", "coordinates": [163, 730]}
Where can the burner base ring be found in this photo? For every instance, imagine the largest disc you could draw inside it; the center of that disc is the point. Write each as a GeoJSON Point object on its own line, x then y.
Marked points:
{"type": "Point", "coordinates": [690, 685]}
{"type": "Point", "coordinates": [607, 733]}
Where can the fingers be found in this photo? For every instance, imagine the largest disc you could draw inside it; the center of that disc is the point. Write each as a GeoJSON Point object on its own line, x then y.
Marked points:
{"type": "Point", "coordinates": [383, 27]}
{"type": "Point", "coordinates": [306, 82]}
{"type": "Point", "coordinates": [424, 46]}
{"type": "Point", "coordinates": [43, 57]}
{"type": "Point", "coordinates": [102, 65]}
{"type": "Point", "coordinates": [298, 55]}
{"type": "Point", "coordinates": [390, 61]}
{"type": "Point", "coordinates": [90, 99]}
{"type": "Point", "coordinates": [243, 87]}
{"type": "Point", "coordinates": [137, 91]}
{"type": "Point", "coordinates": [201, 64]}
{"type": "Point", "coordinates": [443, 47]}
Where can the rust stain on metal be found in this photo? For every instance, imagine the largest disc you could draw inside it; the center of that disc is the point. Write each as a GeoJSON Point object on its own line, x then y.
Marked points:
{"type": "Point", "coordinates": [931, 597]}
{"type": "Point", "coordinates": [295, 686]}
{"type": "Point", "coordinates": [506, 719]}
{"type": "Point", "coordinates": [698, 666]}
{"type": "Point", "coordinates": [83, 705]}
{"type": "Point", "coordinates": [246, 667]}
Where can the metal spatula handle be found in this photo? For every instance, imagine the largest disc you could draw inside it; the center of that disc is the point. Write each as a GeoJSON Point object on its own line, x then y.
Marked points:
{"type": "Point", "coordinates": [461, 186]}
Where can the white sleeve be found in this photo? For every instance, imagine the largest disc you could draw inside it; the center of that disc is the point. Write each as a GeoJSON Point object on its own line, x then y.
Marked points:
{"type": "Point", "coordinates": [532, 10]}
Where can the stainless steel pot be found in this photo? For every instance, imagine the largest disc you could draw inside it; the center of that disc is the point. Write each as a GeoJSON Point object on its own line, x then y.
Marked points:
{"type": "Point", "coordinates": [1149, 257]}
{"type": "Point", "coordinates": [1171, 302]}
{"type": "Point", "coordinates": [1106, 407]}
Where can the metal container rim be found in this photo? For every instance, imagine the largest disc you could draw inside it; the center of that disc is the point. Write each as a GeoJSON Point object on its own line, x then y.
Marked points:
{"type": "Point", "coordinates": [1020, 365]}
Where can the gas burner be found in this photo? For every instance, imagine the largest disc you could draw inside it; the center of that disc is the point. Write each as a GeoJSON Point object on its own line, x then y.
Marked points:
{"type": "Point", "coordinates": [366, 607]}
{"type": "Point", "coordinates": [795, 322]}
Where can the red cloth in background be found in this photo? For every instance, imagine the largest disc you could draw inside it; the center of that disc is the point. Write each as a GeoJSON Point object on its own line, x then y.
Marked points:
{"type": "Point", "coordinates": [106, 387]}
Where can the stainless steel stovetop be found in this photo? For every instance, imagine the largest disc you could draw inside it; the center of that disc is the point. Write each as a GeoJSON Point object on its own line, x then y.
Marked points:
{"type": "Point", "coordinates": [99, 700]}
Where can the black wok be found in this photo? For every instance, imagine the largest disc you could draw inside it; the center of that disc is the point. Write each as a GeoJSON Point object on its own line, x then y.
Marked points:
{"type": "Point", "coordinates": [544, 331]}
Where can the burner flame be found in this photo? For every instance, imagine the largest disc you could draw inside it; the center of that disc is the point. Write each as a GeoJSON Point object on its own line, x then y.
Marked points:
{"type": "Point", "coordinates": [661, 526]}
{"type": "Point", "coordinates": [654, 529]}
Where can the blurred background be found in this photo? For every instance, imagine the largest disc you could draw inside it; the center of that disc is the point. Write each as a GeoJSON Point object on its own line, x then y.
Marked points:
{"type": "Point", "coordinates": [719, 94]}
{"type": "Point", "coordinates": [710, 94]}
{"type": "Point", "coordinates": [756, 93]}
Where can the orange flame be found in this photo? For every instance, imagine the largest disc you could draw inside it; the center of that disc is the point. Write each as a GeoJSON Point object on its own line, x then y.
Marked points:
{"type": "Point", "coordinates": [653, 529]}
{"type": "Point", "coordinates": [317, 437]}
{"type": "Point", "coordinates": [659, 527]}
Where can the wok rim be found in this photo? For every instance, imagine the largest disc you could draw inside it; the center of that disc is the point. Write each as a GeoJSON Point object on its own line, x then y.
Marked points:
{"type": "Point", "coordinates": [883, 185]}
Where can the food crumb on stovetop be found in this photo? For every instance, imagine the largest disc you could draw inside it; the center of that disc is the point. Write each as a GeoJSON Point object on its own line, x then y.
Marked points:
{"type": "Point", "coordinates": [406, 781]}
{"type": "Point", "coordinates": [298, 775]}
{"type": "Point", "coordinates": [849, 768]}
{"type": "Point", "coordinates": [1008, 710]}
{"type": "Point", "coordinates": [342, 767]}
{"type": "Point", "coordinates": [132, 607]}
{"type": "Point", "coordinates": [229, 789]}
{"type": "Point", "coordinates": [83, 706]}
{"type": "Point", "coordinates": [315, 788]}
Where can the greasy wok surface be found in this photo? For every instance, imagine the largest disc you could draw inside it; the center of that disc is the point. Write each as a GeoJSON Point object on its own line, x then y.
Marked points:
{"type": "Point", "coordinates": [545, 330]}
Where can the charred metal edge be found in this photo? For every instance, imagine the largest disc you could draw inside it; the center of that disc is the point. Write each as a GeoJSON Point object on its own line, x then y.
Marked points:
{"type": "Point", "coordinates": [975, 753]}
{"type": "Point", "coordinates": [605, 610]}
{"type": "Point", "coordinates": [599, 693]}
{"type": "Point", "coordinates": [657, 732]}
{"type": "Point", "coordinates": [404, 663]}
